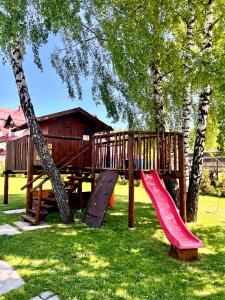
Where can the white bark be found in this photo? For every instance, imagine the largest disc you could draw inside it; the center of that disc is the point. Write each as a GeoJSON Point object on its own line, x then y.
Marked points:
{"type": "Point", "coordinates": [158, 99]}
{"type": "Point", "coordinates": [204, 103]}
{"type": "Point", "coordinates": [187, 93]}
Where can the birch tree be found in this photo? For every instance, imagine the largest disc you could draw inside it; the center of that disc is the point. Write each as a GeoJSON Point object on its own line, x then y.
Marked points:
{"type": "Point", "coordinates": [204, 104]}
{"type": "Point", "coordinates": [30, 22]}
{"type": "Point", "coordinates": [186, 111]}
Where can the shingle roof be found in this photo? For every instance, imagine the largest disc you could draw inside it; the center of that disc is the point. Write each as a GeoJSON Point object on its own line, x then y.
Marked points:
{"type": "Point", "coordinates": [75, 111]}
{"type": "Point", "coordinates": [7, 114]}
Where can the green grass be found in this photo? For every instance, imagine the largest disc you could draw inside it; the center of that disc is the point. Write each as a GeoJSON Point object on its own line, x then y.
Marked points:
{"type": "Point", "coordinates": [77, 262]}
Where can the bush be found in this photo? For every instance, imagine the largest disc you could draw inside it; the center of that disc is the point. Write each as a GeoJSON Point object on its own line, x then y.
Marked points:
{"type": "Point", "coordinates": [206, 187]}
{"type": "Point", "coordinates": [212, 188]}
{"type": "Point", "coordinates": [221, 185]}
{"type": "Point", "coordinates": [122, 180]}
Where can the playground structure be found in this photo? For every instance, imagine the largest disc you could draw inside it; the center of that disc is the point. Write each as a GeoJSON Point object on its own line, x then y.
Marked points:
{"type": "Point", "coordinates": [82, 147]}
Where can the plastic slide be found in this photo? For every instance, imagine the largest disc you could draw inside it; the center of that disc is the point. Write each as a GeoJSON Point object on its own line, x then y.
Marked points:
{"type": "Point", "coordinates": [167, 213]}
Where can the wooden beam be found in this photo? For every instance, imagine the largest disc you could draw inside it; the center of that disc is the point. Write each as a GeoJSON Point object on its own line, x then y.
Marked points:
{"type": "Point", "coordinates": [131, 181]}
{"type": "Point", "coordinates": [183, 254]}
{"type": "Point", "coordinates": [38, 207]}
{"type": "Point", "coordinates": [30, 155]}
{"type": "Point", "coordinates": [6, 188]}
{"type": "Point", "coordinates": [62, 137]}
{"type": "Point", "coordinates": [80, 194]}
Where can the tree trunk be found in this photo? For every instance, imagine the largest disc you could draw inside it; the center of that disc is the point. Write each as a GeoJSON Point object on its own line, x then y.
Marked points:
{"type": "Point", "coordinates": [187, 92]}
{"type": "Point", "coordinates": [196, 171]}
{"type": "Point", "coordinates": [171, 185]}
{"type": "Point", "coordinates": [173, 188]}
{"type": "Point", "coordinates": [38, 139]}
{"type": "Point", "coordinates": [158, 100]}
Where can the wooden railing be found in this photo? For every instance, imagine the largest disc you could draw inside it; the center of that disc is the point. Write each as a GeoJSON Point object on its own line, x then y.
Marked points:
{"type": "Point", "coordinates": [148, 150]}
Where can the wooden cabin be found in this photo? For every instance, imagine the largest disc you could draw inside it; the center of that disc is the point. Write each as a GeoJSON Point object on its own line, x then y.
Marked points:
{"type": "Point", "coordinates": [65, 132]}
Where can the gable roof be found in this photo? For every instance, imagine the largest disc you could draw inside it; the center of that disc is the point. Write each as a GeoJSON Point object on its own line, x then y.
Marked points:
{"type": "Point", "coordinates": [7, 115]}
{"type": "Point", "coordinates": [76, 111]}
{"type": "Point", "coordinates": [4, 114]}
{"type": "Point", "coordinates": [17, 116]}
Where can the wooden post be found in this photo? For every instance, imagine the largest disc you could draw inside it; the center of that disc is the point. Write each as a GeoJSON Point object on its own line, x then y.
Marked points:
{"type": "Point", "coordinates": [94, 149]}
{"type": "Point", "coordinates": [182, 180]}
{"type": "Point", "coordinates": [131, 180]}
{"type": "Point", "coordinates": [80, 194]}
{"type": "Point", "coordinates": [6, 189]}
{"type": "Point", "coordinates": [108, 153]}
{"type": "Point", "coordinates": [158, 152]}
{"type": "Point", "coordinates": [30, 155]}
{"type": "Point", "coordinates": [38, 207]}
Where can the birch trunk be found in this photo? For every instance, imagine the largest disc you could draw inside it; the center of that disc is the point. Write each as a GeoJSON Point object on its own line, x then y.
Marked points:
{"type": "Point", "coordinates": [171, 185]}
{"type": "Point", "coordinates": [187, 93]}
{"type": "Point", "coordinates": [38, 139]}
{"type": "Point", "coordinates": [204, 103]}
{"type": "Point", "coordinates": [158, 100]}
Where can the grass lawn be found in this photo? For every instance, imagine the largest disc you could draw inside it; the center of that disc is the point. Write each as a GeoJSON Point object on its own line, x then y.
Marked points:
{"type": "Point", "coordinates": [77, 262]}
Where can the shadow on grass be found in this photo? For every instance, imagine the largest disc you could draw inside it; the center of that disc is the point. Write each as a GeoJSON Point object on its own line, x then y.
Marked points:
{"type": "Point", "coordinates": [15, 201]}
{"type": "Point", "coordinates": [78, 262]}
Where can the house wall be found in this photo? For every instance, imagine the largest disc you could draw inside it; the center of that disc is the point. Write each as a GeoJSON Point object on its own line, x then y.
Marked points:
{"type": "Point", "coordinates": [71, 125]}
{"type": "Point", "coordinates": [74, 126]}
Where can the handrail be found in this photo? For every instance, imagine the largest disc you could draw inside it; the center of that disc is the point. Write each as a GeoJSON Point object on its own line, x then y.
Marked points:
{"type": "Point", "coordinates": [43, 173]}
{"type": "Point", "coordinates": [142, 133]}
{"type": "Point", "coordinates": [47, 178]}
{"type": "Point", "coordinates": [151, 150]}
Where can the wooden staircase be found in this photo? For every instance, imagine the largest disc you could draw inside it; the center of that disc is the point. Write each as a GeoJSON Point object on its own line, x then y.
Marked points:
{"type": "Point", "coordinates": [42, 201]}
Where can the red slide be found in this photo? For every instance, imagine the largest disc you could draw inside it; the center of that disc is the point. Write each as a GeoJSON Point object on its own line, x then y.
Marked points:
{"type": "Point", "coordinates": [167, 213]}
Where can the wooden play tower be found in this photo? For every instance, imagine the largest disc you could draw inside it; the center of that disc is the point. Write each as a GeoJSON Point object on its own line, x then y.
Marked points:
{"type": "Point", "coordinates": [82, 147]}
{"type": "Point", "coordinates": [129, 152]}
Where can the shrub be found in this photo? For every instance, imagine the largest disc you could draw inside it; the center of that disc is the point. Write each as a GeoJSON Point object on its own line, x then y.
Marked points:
{"type": "Point", "coordinates": [122, 180]}
{"type": "Point", "coordinates": [206, 187]}
{"type": "Point", "coordinates": [221, 185]}
{"type": "Point", "coordinates": [212, 188]}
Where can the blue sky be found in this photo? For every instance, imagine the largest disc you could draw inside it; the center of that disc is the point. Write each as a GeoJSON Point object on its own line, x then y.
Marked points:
{"type": "Point", "coordinates": [47, 92]}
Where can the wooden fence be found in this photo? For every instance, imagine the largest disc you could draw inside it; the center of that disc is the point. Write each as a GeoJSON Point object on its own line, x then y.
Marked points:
{"type": "Point", "coordinates": [149, 150]}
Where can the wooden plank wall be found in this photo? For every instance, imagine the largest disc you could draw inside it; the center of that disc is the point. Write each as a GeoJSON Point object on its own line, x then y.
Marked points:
{"type": "Point", "coordinates": [16, 154]}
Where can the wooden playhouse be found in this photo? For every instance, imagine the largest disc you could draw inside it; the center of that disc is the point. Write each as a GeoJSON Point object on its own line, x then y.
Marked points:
{"type": "Point", "coordinates": [68, 135]}
{"type": "Point", "coordinates": [83, 146]}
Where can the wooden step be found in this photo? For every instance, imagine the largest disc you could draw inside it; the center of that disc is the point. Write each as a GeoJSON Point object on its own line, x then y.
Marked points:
{"type": "Point", "coordinates": [52, 199]}
{"type": "Point", "coordinates": [44, 204]}
{"type": "Point", "coordinates": [79, 178]}
{"type": "Point", "coordinates": [32, 211]}
{"type": "Point", "coordinates": [31, 219]}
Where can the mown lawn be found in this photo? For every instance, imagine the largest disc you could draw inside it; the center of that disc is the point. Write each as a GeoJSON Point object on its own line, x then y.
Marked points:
{"type": "Point", "coordinates": [77, 262]}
